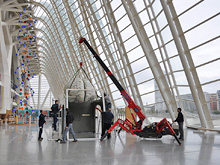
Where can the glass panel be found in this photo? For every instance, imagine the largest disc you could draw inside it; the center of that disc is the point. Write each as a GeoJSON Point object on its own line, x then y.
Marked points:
{"type": "Point", "coordinates": [202, 40]}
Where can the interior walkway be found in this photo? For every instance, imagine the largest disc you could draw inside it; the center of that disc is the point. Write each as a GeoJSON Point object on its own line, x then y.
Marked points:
{"type": "Point", "coordinates": [19, 145]}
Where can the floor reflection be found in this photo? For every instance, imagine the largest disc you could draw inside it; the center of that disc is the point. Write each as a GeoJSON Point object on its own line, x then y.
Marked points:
{"type": "Point", "coordinates": [19, 145]}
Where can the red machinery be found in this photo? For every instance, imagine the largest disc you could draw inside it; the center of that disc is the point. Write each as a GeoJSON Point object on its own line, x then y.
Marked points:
{"type": "Point", "coordinates": [156, 130]}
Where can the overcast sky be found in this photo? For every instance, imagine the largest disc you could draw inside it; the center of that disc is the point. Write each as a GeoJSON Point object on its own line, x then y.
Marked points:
{"type": "Point", "coordinates": [195, 37]}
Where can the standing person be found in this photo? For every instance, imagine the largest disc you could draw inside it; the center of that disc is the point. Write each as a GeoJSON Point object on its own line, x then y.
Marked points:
{"type": "Point", "coordinates": [55, 109]}
{"type": "Point", "coordinates": [180, 121]}
{"type": "Point", "coordinates": [108, 119]}
{"type": "Point", "coordinates": [69, 126]}
{"type": "Point", "coordinates": [41, 123]}
{"type": "Point", "coordinates": [108, 103]}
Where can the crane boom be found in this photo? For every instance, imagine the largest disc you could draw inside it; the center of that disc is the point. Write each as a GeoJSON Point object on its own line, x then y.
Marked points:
{"type": "Point", "coordinates": [131, 103]}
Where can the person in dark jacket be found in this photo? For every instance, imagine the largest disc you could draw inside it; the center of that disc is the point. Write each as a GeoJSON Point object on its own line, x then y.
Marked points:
{"type": "Point", "coordinates": [69, 124]}
{"type": "Point", "coordinates": [41, 123]}
{"type": "Point", "coordinates": [180, 121]}
{"type": "Point", "coordinates": [55, 109]}
{"type": "Point", "coordinates": [108, 103]}
{"type": "Point", "coordinates": [108, 119]}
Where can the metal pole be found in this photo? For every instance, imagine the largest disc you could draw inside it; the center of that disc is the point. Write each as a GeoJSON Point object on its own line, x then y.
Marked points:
{"type": "Point", "coordinates": [39, 91]}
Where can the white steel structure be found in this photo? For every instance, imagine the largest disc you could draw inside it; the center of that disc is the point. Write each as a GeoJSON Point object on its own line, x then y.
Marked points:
{"type": "Point", "coordinates": [159, 50]}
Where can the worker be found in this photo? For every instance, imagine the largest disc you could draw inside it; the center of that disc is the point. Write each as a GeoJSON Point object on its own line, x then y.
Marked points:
{"type": "Point", "coordinates": [55, 109]}
{"type": "Point", "coordinates": [42, 121]}
{"type": "Point", "coordinates": [108, 119]}
{"type": "Point", "coordinates": [180, 121]}
{"type": "Point", "coordinates": [69, 126]}
{"type": "Point", "coordinates": [108, 103]}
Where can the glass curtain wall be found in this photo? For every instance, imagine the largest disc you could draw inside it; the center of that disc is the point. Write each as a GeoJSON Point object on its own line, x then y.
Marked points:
{"type": "Point", "coordinates": [183, 37]}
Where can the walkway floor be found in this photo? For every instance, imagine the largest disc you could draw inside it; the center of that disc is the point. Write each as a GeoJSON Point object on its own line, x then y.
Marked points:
{"type": "Point", "coordinates": [19, 145]}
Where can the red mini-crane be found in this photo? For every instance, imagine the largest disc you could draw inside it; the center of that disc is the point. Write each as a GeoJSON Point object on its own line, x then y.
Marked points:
{"type": "Point", "coordinates": [155, 130]}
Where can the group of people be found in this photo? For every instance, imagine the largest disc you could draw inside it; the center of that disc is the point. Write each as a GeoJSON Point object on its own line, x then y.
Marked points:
{"type": "Point", "coordinates": [107, 117]}
{"type": "Point", "coordinates": [69, 121]}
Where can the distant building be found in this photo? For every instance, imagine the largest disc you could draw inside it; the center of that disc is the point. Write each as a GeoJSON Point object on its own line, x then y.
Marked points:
{"type": "Point", "coordinates": [208, 99]}
{"type": "Point", "coordinates": [218, 100]}
{"type": "Point", "coordinates": [149, 108]}
{"type": "Point", "coordinates": [188, 103]}
{"type": "Point", "coordinates": [213, 101]}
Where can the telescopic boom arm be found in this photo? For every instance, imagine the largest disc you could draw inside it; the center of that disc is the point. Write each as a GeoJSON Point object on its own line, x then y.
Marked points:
{"type": "Point", "coordinates": [131, 103]}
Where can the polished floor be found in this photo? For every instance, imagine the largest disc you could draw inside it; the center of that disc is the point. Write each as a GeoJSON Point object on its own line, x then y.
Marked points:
{"type": "Point", "coordinates": [19, 145]}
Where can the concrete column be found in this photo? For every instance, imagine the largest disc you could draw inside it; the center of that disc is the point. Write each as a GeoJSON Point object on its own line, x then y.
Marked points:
{"type": "Point", "coordinates": [186, 67]}
{"type": "Point", "coordinates": [5, 63]}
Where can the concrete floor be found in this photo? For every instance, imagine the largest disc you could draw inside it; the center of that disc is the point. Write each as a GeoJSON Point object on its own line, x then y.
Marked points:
{"type": "Point", "coordinates": [19, 145]}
